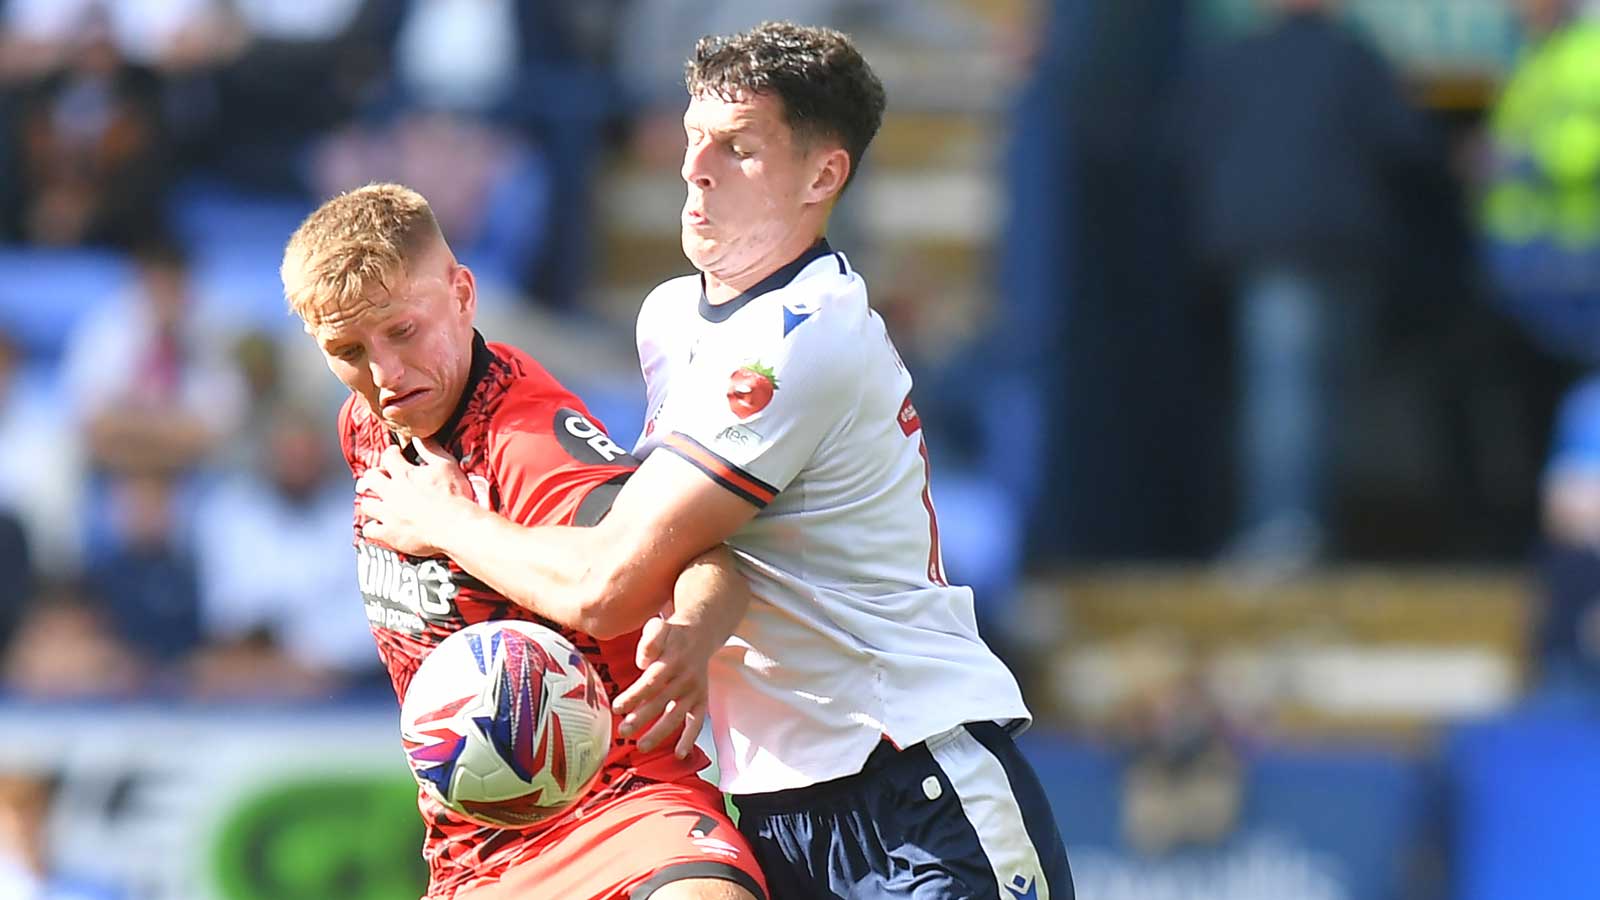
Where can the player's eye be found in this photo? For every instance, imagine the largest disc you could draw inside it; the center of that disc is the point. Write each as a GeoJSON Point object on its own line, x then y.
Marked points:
{"type": "Point", "coordinates": [403, 331]}
{"type": "Point", "coordinates": [348, 354]}
{"type": "Point", "coordinates": [741, 152]}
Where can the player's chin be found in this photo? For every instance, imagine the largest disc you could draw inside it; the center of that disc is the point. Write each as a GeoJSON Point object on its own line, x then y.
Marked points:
{"type": "Point", "coordinates": [411, 421]}
{"type": "Point", "coordinates": [702, 251]}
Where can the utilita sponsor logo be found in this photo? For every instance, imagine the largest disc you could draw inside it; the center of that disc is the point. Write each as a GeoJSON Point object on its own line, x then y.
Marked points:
{"type": "Point", "coordinates": [401, 595]}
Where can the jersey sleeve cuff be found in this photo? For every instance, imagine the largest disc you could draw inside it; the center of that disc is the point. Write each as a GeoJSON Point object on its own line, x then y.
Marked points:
{"type": "Point", "coordinates": [724, 473]}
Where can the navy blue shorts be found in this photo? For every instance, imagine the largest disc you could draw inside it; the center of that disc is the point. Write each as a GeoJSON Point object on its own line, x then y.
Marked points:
{"type": "Point", "coordinates": [960, 816]}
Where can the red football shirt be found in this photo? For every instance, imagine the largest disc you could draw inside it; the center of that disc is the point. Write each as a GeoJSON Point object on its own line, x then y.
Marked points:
{"type": "Point", "coordinates": [533, 455]}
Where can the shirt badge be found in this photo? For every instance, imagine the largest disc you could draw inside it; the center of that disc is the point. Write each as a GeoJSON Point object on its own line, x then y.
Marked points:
{"type": "Point", "coordinates": [750, 389]}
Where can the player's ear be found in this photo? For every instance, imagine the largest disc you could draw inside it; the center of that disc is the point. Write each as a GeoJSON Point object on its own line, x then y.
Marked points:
{"type": "Point", "coordinates": [464, 290]}
{"type": "Point", "coordinates": [832, 168]}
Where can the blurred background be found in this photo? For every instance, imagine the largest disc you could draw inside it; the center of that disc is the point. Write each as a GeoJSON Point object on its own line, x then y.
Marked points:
{"type": "Point", "coordinates": [1254, 340]}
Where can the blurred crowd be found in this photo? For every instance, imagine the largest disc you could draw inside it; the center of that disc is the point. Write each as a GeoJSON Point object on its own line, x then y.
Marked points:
{"type": "Point", "coordinates": [1258, 299]}
{"type": "Point", "coordinates": [1253, 302]}
{"type": "Point", "coordinates": [1285, 303]}
{"type": "Point", "coordinates": [173, 507]}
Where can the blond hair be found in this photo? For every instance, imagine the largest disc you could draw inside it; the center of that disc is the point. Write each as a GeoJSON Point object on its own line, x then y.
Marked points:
{"type": "Point", "coordinates": [352, 245]}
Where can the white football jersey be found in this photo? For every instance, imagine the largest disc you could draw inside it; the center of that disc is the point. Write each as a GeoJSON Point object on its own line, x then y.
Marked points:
{"type": "Point", "coordinates": [793, 397]}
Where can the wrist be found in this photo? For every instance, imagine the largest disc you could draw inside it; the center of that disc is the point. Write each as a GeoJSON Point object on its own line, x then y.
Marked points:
{"type": "Point", "coordinates": [460, 519]}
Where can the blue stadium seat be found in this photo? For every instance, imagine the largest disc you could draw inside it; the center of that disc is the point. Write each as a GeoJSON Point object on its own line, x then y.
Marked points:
{"type": "Point", "coordinates": [236, 241]}
{"type": "Point", "coordinates": [45, 293]}
{"type": "Point", "coordinates": [1526, 790]}
{"type": "Point", "coordinates": [1348, 823]}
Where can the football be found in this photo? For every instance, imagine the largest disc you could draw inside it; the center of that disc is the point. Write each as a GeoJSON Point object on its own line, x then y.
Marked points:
{"type": "Point", "coordinates": [506, 723]}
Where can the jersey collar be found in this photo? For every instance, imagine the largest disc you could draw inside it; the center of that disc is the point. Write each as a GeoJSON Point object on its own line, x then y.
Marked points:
{"type": "Point", "coordinates": [720, 312]}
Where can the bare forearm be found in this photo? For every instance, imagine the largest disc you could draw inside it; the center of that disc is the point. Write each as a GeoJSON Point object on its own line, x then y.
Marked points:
{"type": "Point", "coordinates": [541, 569]}
{"type": "Point", "coordinates": [711, 597]}
{"type": "Point", "coordinates": [568, 575]}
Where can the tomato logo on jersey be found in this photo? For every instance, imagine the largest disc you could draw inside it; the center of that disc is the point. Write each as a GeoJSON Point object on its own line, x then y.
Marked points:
{"type": "Point", "coordinates": [750, 389]}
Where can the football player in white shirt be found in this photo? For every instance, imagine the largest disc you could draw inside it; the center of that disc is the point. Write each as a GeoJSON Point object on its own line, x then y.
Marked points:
{"type": "Point", "coordinates": [862, 725]}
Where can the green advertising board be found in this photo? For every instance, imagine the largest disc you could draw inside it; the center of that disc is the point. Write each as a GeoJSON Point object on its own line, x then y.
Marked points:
{"type": "Point", "coordinates": [339, 838]}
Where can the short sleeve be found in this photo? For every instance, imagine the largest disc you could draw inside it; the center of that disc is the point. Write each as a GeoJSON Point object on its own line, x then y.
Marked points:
{"type": "Point", "coordinates": [754, 419]}
{"type": "Point", "coordinates": [347, 433]}
{"type": "Point", "coordinates": [553, 465]}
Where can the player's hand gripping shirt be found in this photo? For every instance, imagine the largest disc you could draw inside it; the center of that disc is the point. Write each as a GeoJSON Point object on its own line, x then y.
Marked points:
{"type": "Point", "coordinates": [531, 454]}
{"type": "Point", "coordinates": [793, 397]}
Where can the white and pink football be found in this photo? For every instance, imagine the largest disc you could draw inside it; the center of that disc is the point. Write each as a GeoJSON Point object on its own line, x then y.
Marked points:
{"type": "Point", "coordinates": [506, 723]}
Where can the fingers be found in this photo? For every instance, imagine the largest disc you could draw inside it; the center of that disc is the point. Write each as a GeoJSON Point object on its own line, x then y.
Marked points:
{"type": "Point", "coordinates": [393, 460]}
{"type": "Point", "coordinates": [652, 641]}
{"type": "Point", "coordinates": [644, 699]}
{"type": "Point", "coordinates": [691, 732]}
{"type": "Point", "coordinates": [669, 725]}
{"type": "Point", "coordinates": [431, 452]}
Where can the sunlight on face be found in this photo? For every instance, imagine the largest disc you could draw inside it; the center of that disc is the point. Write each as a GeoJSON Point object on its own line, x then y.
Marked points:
{"type": "Point", "coordinates": [406, 352]}
{"type": "Point", "coordinates": [747, 177]}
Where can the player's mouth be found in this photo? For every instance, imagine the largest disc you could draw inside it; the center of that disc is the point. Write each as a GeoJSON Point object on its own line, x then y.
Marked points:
{"type": "Point", "coordinates": [403, 400]}
{"type": "Point", "coordinates": [694, 218]}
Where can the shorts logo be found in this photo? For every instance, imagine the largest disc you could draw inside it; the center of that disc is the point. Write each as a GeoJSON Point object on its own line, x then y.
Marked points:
{"type": "Point", "coordinates": [585, 442]}
{"type": "Point", "coordinates": [700, 834]}
{"type": "Point", "coordinates": [750, 389]}
{"type": "Point", "coordinates": [717, 847]}
{"type": "Point", "coordinates": [1023, 888]}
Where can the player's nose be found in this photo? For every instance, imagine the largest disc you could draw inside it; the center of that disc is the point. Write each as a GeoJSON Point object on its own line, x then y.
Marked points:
{"type": "Point", "coordinates": [387, 370]}
{"type": "Point", "coordinates": [694, 170]}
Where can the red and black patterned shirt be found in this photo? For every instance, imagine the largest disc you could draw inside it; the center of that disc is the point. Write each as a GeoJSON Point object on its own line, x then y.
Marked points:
{"type": "Point", "coordinates": [533, 455]}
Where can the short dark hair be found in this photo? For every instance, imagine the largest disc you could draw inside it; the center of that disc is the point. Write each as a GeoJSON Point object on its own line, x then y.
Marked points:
{"type": "Point", "coordinates": [827, 88]}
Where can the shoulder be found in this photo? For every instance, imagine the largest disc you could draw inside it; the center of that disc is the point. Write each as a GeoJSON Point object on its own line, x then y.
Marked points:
{"type": "Point", "coordinates": [824, 312]}
{"type": "Point", "coordinates": [360, 432]}
{"type": "Point", "coordinates": [671, 299]}
{"type": "Point", "coordinates": [535, 409]}
{"type": "Point", "coordinates": [519, 396]}
{"type": "Point", "coordinates": [671, 294]}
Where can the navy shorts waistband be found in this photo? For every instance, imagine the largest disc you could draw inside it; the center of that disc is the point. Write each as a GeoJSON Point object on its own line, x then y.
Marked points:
{"type": "Point", "coordinates": [884, 758]}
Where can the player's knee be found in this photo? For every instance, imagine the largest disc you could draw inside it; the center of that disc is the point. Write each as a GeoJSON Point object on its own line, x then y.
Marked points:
{"type": "Point", "coordinates": [701, 889]}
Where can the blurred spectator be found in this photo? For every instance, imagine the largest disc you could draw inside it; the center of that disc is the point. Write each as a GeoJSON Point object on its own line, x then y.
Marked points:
{"type": "Point", "coordinates": [90, 155]}
{"type": "Point", "coordinates": [278, 585]}
{"type": "Point", "coordinates": [566, 100]}
{"type": "Point", "coordinates": [1183, 785]}
{"type": "Point", "coordinates": [1541, 216]}
{"type": "Point", "coordinates": [1541, 206]}
{"type": "Point", "coordinates": [146, 575]}
{"type": "Point", "coordinates": [1569, 564]}
{"type": "Point", "coordinates": [24, 861]}
{"type": "Point", "coordinates": [18, 590]}
{"type": "Point", "coordinates": [149, 383]}
{"type": "Point", "coordinates": [281, 73]}
{"type": "Point", "coordinates": [493, 197]}
{"type": "Point", "coordinates": [39, 34]}
{"type": "Point", "coordinates": [1297, 141]}
{"type": "Point", "coordinates": [458, 68]}
{"type": "Point", "coordinates": [1091, 266]}
{"type": "Point", "coordinates": [39, 483]}
{"type": "Point", "coordinates": [65, 649]}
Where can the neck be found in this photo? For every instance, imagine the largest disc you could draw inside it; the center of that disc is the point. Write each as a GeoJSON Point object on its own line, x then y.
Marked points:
{"type": "Point", "coordinates": [724, 285]}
